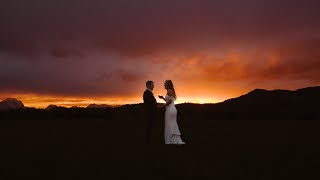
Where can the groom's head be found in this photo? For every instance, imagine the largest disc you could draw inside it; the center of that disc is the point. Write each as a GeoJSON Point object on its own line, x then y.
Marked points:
{"type": "Point", "coordinates": [150, 85]}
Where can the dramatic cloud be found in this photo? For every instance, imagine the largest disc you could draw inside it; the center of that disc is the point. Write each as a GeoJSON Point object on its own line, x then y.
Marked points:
{"type": "Point", "coordinates": [218, 49]}
{"type": "Point", "coordinates": [64, 53]}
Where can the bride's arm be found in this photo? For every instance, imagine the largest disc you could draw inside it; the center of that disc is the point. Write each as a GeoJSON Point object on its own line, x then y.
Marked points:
{"type": "Point", "coordinates": [161, 97]}
{"type": "Point", "coordinates": [169, 101]}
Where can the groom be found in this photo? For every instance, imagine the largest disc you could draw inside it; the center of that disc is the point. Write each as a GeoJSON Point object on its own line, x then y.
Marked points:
{"type": "Point", "coordinates": [150, 104]}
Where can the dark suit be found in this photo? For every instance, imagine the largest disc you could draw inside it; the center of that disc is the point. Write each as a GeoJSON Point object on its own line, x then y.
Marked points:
{"type": "Point", "coordinates": [150, 104]}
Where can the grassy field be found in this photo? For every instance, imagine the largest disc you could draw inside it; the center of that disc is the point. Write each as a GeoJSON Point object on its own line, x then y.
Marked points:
{"type": "Point", "coordinates": [114, 148]}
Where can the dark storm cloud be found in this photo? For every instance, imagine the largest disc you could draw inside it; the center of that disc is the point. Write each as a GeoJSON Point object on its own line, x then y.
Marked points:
{"type": "Point", "coordinates": [110, 45]}
{"type": "Point", "coordinates": [126, 76]}
{"type": "Point", "coordinates": [91, 75]}
{"type": "Point", "coordinates": [63, 53]}
{"type": "Point", "coordinates": [143, 27]}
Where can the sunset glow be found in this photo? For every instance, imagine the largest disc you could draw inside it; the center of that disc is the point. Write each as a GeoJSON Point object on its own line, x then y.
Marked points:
{"type": "Point", "coordinates": [42, 101]}
{"type": "Point", "coordinates": [75, 53]}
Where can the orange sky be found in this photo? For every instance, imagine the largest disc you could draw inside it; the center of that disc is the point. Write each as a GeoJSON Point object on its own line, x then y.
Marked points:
{"type": "Point", "coordinates": [42, 101]}
{"type": "Point", "coordinates": [81, 52]}
{"type": "Point", "coordinates": [198, 78]}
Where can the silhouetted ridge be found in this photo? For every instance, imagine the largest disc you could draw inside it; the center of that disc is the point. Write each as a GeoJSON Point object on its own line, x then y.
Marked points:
{"type": "Point", "coordinates": [274, 103]}
{"type": "Point", "coordinates": [257, 104]}
{"type": "Point", "coordinates": [10, 104]}
{"type": "Point", "coordinates": [99, 106]}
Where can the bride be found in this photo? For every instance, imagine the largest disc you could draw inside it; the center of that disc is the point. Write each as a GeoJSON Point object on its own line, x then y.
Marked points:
{"type": "Point", "coordinates": [171, 129]}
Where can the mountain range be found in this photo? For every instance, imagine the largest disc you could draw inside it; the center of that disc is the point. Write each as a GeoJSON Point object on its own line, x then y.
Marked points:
{"type": "Point", "coordinates": [259, 103]}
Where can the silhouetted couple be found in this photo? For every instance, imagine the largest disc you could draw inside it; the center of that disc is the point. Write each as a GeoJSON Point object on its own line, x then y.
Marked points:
{"type": "Point", "coordinates": [171, 129]}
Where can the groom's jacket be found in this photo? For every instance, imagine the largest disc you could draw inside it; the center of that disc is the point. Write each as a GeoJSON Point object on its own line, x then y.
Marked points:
{"type": "Point", "coordinates": [150, 102]}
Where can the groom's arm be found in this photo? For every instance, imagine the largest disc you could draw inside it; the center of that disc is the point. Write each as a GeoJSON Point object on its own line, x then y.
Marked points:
{"type": "Point", "coordinates": [150, 101]}
{"type": "Point", "coordinates": [155, 104]}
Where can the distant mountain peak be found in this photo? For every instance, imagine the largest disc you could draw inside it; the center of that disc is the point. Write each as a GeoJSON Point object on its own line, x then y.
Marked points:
{"type": "Point", "coordinates": [98, 106]}
{"type": "Point", "coordinates": [53, 106]}
{"type": "Point", "coordinates": [256, 92]}
{"type": "Point", "coordinates": [314, 88]}
{"type": "Point", "coordinates": [259, 90]}
{"type": "Point", "coordinates": [11, 103]}
{"type": "Point", "coordinates": [262, 96]}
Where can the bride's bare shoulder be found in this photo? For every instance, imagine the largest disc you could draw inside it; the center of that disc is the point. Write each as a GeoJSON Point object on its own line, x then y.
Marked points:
{"type": "Point", "coordinates": [170, 92]}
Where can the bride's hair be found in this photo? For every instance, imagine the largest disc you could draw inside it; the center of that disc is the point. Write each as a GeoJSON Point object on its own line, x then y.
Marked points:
{"type": "Point", "coordinates": [170, 86]}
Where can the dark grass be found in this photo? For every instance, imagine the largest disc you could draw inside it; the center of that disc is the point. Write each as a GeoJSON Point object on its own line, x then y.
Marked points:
{"type": "Point", "coordinates": [114, 149]}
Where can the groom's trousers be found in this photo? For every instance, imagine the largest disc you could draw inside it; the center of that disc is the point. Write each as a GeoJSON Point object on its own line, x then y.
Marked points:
{"type": "Point", "coordinates": [151, 122]}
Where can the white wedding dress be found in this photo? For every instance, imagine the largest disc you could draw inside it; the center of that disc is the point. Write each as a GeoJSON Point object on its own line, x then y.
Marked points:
{"type": "Point", "coordinates": [171, 129]}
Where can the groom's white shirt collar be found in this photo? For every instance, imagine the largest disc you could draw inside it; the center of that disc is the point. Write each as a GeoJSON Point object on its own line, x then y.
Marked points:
{"type": "Point", "coordinates": [149, 90]}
